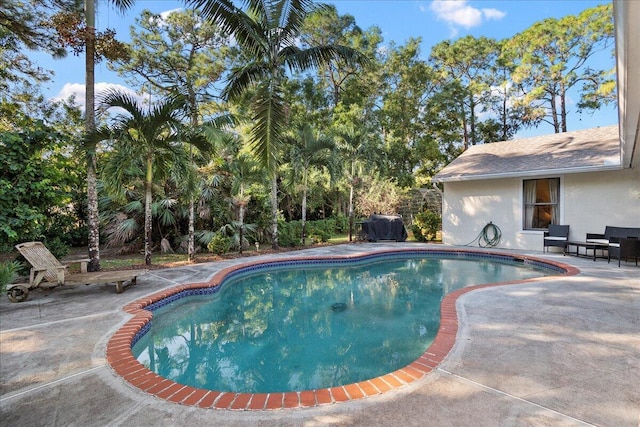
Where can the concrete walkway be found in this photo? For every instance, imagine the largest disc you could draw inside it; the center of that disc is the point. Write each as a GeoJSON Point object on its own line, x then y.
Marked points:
{"type": "Point", "coordinates": [559, 352]}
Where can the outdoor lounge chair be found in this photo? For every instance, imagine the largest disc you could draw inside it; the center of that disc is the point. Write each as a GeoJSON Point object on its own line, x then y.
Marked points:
{"type": "Point", "coordinates": [558, 235]}
{"type": "Point", "coordinates": [47, 270]}
{"type": "Point", "coordinates": [624, 248]}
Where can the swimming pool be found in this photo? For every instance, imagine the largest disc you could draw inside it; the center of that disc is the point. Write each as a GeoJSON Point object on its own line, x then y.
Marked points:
{"type": "Point", "coordinates": [378, 312]}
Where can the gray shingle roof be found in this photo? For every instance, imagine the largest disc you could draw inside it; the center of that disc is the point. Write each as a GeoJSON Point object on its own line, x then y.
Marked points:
{"type": "Point", "coordinates": [569, 152]}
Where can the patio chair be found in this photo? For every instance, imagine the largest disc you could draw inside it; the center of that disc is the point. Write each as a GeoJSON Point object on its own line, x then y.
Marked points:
{"type": "Point", "coordinates": [624, 248]}
{"type": "Point", "coordinates": [46, 269]}
{"type": "Point", "coordinates": [557, 235]}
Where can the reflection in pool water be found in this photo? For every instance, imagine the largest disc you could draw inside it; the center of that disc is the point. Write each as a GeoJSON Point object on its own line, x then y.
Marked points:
{"type": "Point", "coordinates": [308, 327]}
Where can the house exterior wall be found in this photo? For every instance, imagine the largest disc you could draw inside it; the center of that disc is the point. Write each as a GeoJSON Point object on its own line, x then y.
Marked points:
{"type": "Point", "coordinates": [594, 200]}
{"type": "Point", "coordinates": [588, 202]}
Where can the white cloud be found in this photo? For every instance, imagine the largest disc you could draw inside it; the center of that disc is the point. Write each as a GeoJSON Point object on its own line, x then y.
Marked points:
{"type": "Point", "coordinates": [71, 90]}
{"type": "Point", "coordinates": [77, 90]}
{"type": "Point", "coordinates": [161, 20]}
{"type": "Point", "coordinates": [493, 14]}
{"type": "Point", "coordinates": [458, 13]}
{"type": "Point", "coordinates": [165, 15]}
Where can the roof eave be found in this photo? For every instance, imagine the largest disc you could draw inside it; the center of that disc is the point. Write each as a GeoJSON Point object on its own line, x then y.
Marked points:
{"type": "Point", "coordinates": [530, 174]}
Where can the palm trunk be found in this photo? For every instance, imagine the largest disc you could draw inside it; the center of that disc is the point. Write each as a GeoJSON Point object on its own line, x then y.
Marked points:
{"type": "Point", "coordinates": [274, 211]}
{"type": "Point", "coordinates": [93, 224]}
{"type": "Point", "coordinates": [304, 208]}
{"type": "Point", "coordinates": [147, 212]}
{"type": "Point", "coordinates": [191, 247]}
{"type": "Point", "coordinates": [241, 221]}
{"type": "Point", "coordinates": [353, 169]}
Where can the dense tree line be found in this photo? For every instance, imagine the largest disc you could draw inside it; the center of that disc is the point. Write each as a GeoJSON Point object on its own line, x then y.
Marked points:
{"type": "Point", "coordinates": [252, 116]}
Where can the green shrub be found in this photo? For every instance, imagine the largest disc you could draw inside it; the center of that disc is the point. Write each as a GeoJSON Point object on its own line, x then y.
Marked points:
{"type": "Point", "coordinates": [57, 247]}
{"type": "Point", "coordinates": [8, 273]}
{"type": "Point", "coordinates": [289, 233]}
{"type": "Point", "coordinates": [341, 223]}
{"type": "Point", "coordinates": [321, 230]}
{"type": "Point", "coordinates": [219, 244]}
{"type": "Point", "coordinates": [425, 225]}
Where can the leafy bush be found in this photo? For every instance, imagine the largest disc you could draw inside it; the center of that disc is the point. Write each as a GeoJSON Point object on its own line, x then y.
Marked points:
{"type": "Point", "coordinates": [289, 233]}
{"type": "Point", "coordinates": [40, 185]}
{"type": "Point", "coordinates": [219, 244]}
{"type": "Point", "coordinates": [8, 273]}
{"type": "Point", "coordinates": [342, 223]}
{"type": "Point", "coordinates": [57, 247]}
{"type": "Point", "coordinates": [321, 230]}
{"type": "Point", "coordinates": [425, 225]}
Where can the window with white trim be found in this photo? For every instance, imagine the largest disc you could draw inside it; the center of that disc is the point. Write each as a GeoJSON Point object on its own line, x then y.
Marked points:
{"type": "Point", "coordinates": [541, 199]}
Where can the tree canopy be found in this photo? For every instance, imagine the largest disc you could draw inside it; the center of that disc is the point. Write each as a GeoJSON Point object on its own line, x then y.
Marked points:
{"type": "Point", "coordinates": [331, 121]}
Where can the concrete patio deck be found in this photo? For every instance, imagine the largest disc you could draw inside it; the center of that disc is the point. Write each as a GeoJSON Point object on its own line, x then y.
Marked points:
{"type": "Point", "coordinates": [564, 351]}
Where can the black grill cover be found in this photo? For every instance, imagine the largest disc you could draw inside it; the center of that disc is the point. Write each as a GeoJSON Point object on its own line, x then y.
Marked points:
{"type": "Point", "coordinates": [384, 227]}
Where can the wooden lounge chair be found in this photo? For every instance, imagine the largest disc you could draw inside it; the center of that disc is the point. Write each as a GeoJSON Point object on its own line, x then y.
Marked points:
{"type": "Point", "coordinates": [47, 271]}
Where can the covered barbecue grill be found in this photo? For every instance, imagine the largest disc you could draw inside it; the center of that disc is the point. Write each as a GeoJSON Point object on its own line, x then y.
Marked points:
{"type": "Point", "coordinates": [384, 227]}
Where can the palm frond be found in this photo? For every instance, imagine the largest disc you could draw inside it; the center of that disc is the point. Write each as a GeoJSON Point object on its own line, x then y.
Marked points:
{"type": "Point", "coordinates": [212, 134]}
{"type": "Point", "coordinates": [243, 78]}
{"type": "Point", "coordinates": [134, 206]}
{"type": "Point", "coordinates": [120, 167]}
{"type": "Point", "coordinates": [244, 171]}
{"type": "Point", "coordinates": [90, 141]}
{"type": "Point", "coordinates": [165, 216]}
{"type": "Point", "coordinates": [245, 26]}
{"type": "Point", "coordinates": [266, 134]}
{"type": "Point", "coordinates": [204, 236]}
{"type": "Point", "coordinates": [123, 5]}
{"type": "Point", "coordinates": [291, 14]}
{"type": "Point", "coordinates": [121, 230]}
{"type": "Point", "coordinates": [221, 12]}
{"type": "Point", "coordinates": [112, 98]}
{"type": "Point", "coordinates": [299, 60]}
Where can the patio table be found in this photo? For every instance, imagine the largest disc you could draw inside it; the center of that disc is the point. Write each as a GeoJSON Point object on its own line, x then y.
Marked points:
{"type": "Point", "coordinates": [594, 246]}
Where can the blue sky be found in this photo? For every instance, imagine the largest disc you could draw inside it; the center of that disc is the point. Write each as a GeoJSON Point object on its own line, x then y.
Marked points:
{"type": "Point", "coordinates": [433, 21]}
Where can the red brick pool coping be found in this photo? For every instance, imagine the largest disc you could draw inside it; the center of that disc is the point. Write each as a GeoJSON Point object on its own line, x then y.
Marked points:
{"type": "Point", "coordinates": [124, 364]}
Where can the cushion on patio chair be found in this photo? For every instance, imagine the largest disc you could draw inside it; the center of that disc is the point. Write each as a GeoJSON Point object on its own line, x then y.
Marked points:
{"type": "Point", "coordinates": [557, 236]}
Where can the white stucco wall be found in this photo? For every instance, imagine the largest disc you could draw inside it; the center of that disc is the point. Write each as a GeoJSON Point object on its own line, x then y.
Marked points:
{"type": "Point", "coordinates": [594, 200]}
{"type": "Point", "coordinates": [588, 202]}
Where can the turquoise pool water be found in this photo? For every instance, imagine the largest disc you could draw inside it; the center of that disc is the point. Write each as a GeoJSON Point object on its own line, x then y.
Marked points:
{"type": "Point", "coordinates": [302, 327]}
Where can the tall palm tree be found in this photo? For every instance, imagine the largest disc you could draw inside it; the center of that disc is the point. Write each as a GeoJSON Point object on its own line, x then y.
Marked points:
{"type": "Point", "coordinates": [150, 138]}
{"type": "Point", "coordinates": [351, 146]}
{"type": "Point", "coordinates": [268, 32]}
{"type": "Point", "coordinates": [93, 224]}
{"type": "Point", "coordinates": [244, 172]}
{"type": "Point", "coordinates": [214, 131]}
{"type": "Point", "coordinates": [306, 145]}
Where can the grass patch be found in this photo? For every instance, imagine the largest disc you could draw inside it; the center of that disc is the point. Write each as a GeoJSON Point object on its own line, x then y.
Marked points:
{"type": "Point", "coordinates": [339, 239]}
{"type": "Point", "coordinates": [123, 262]}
